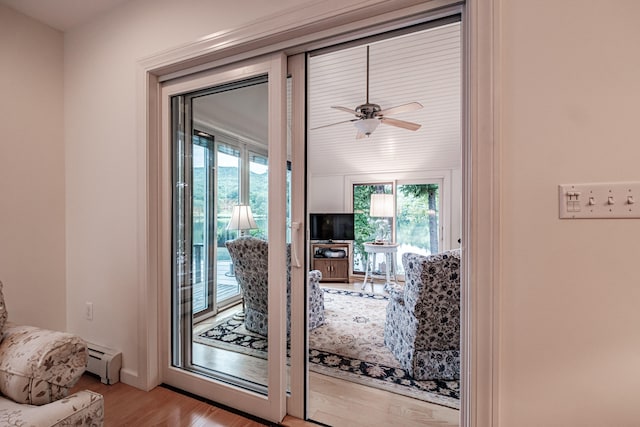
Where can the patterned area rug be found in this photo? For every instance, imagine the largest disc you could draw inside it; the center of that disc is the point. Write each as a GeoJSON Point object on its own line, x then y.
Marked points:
{"type": "Point", "coordinates": [350, 346]}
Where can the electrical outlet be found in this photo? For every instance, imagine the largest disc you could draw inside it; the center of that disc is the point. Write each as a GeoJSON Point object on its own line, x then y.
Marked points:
{"type": "Point", "coordinates": [88, 311]}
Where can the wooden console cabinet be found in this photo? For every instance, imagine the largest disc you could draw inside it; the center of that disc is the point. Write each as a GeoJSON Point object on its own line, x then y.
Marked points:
{"type": "Point", "coordinates": [332, 269]}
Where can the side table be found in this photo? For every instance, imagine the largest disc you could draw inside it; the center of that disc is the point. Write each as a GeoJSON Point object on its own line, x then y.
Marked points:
{"type": "Point", "coordinates": [372, 250]}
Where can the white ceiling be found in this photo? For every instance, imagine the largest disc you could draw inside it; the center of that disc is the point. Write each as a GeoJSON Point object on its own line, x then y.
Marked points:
{"type": "Point", "coordinates": [62, 15]}
{"type": "Point", "coordinates": [242, 113]}
{"type": "Point", "coordinates": [423, 66]}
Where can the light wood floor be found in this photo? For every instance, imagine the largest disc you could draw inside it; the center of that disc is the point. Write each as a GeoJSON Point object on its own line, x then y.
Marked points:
{"type": "Point", "coordinates": [128, 406]}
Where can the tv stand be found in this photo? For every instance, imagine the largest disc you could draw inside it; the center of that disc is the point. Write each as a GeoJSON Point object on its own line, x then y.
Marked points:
{"type": "Point", "coordinates": [333, 269]}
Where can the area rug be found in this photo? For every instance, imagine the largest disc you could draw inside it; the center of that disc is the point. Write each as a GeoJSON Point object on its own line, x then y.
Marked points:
{"type": "Point", "coordinates": [350, 346]}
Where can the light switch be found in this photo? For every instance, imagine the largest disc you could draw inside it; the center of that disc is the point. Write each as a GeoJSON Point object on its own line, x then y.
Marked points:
{"type": "Point", "coordinates": [599, 200]}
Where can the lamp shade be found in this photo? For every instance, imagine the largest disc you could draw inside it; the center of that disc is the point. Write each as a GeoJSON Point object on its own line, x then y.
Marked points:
{"type": "Point", "coordinates": [381, 205]}
{"type": "Point", "coordinates": [366, 126]}
{"type": "Point", "coordinates": [242, 219]}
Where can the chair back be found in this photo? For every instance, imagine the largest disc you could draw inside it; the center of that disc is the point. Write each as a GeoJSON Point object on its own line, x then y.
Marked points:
{"type": "Point", "coordinates": [250, 257]}
{"type": "Point", "coordinates": [250, 263]}
{"type": "Point", "coordinates": [432, 294]}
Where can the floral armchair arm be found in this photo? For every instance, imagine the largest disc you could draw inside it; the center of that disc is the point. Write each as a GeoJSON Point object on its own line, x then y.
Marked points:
{"type": "Point", "coordinates": [395, 291]}
{"type": "Point", "coordinates": [84, 408]}
{"type": "Point", "coordinates": [38, 366]}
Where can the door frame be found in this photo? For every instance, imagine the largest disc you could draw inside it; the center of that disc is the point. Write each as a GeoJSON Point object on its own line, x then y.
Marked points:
{"type": "Point", "coordinates": [293, 32]}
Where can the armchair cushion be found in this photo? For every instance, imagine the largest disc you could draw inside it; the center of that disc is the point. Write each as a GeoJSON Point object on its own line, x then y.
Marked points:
{"type": "Point", "coordinates": [38, 366]}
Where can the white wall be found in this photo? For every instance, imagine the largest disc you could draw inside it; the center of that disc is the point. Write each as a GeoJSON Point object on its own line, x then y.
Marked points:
{"type": "Point", "coordinates": [326, 193]}
{"type": "Point", "coordinates": [570, 341]}
{"type": "Point", "coordinates": [32, 196]}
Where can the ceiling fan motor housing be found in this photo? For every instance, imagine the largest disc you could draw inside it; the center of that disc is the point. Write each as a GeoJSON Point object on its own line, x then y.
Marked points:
{"type": "Point", "coordinates": [368, 111]}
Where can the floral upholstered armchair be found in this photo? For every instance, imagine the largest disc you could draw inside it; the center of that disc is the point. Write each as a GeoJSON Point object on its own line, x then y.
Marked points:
{"type": "Point", "coordinates": [249, 256]}
{"type": "Point", "coordinates": [422, 327]}
{"type": "Point", "coordinates": [37, 369]}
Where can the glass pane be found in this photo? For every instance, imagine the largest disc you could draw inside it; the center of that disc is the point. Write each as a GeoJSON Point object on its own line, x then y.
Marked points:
{"type": "Point", "coordinates": [258, 192]}
{"type": "Point", "coordinates": [201, 273]}
{"type": "Point", "coordinates": [367, 227]}
{"type": "Point", "coordinates": [228, 196]}
{"type": "Point", "coordinates": [417, 219]}
{"type": "Point", "coordinates": [215, 178]}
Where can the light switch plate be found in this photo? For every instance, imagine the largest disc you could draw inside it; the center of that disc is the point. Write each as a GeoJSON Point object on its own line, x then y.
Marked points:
{"type": "Point", "coordinates": [600, 200]}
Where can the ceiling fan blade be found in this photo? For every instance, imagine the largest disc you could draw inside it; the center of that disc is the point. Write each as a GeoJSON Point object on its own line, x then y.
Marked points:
{"type": "Point", "coordinates": [346, 110]}
{"type": "Point", "coordinates": [400, 123]}
{"type": "Point", "coordinates": [404, 108]}
{"type": "Point", "coordinates": [333, 124]}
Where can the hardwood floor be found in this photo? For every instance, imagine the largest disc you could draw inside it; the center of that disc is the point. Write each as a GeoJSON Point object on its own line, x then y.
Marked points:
{"type": "Point", "coordinates": [128, 406]}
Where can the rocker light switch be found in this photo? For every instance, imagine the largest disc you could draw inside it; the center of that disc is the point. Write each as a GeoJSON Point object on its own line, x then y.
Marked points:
{"type": "Point", "coordinates": [599, 200]}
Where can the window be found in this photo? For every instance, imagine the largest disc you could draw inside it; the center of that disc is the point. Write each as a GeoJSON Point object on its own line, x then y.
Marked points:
{"type": "Point", "coordinates": [412, 221]}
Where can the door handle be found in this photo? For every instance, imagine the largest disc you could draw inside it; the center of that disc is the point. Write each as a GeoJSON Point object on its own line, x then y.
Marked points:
{"type": "Point", "coordinates": [295, 227]}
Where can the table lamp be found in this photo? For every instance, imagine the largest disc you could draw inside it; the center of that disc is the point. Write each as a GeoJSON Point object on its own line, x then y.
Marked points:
{"type": "Point", "coordinates": [382, 207]}
{"type": "Point", "coordinates": [242, 220]}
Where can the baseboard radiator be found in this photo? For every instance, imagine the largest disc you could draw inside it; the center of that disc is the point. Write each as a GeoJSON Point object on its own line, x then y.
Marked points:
{"type": "Point", "coordinates": [105, 363]}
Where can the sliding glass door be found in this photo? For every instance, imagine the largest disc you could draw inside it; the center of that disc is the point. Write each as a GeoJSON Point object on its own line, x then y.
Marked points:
{"type": "Point", "coordinates": [227, 149]}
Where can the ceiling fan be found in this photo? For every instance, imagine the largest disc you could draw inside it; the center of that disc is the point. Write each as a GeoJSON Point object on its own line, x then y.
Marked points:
{"type": "Point", "coordinates": [369, 116]}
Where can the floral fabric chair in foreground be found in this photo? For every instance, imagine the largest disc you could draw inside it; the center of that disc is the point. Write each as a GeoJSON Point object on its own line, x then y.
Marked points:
{"type": "Point", "coordinates": [249, 256]}
{"type": "Point", "coordinates": [37, 369]}
{"type": "Point", "coordinates": [422, 327]}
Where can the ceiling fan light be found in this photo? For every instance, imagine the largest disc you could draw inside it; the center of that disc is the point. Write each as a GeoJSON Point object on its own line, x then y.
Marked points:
{"type": "Point", "coordinates": [366, 126]}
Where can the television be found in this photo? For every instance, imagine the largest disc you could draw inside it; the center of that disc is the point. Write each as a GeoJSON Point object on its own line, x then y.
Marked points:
{"type": "Point", "coordinates": [331, 226]}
